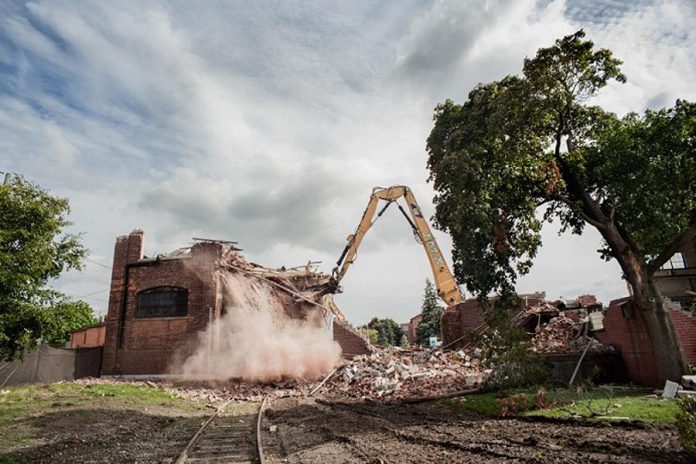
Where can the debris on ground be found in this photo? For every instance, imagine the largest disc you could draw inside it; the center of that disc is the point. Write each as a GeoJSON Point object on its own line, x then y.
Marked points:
{"type": "Point", "coordinates": [396, 373]}
{"type": "Point", "coordinates": [563, 334]}
{"type": "Point", "coordinates": [386, 374]}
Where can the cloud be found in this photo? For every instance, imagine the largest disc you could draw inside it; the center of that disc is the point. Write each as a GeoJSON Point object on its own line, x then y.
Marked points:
{"type": "Point", "coordinates": [269, 123]}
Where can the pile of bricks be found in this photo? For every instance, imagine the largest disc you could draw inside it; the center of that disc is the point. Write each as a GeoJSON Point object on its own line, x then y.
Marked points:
{"type": "Point", "coordinates": [391, 373]}
{"type": "Point", "coordinates": [565, 335]}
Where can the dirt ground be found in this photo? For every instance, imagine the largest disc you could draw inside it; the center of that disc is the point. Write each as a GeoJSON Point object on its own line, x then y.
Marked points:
{"type": "Point", "coordinates": [76, 424]}
{"type": "Point", "coordinates": [310, 431]}
{"type": "Point", "coordinates": [105, 435]}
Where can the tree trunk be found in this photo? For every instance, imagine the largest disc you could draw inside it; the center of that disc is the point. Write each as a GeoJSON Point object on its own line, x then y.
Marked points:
{"type": "Point", "coordinates": [647, 298]}
{"type": "Point", "coordinates": [648, 302]}
{"type": "Point", "coordinates": [671, 363]}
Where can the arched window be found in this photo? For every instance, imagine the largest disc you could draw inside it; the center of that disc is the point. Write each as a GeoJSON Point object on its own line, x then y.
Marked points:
{"type": "Point", "coordinates": [162, 302]}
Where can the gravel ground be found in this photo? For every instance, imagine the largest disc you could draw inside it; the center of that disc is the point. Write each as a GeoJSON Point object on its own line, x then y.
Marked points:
{"type": "Point", "coordinates": [311, 431]}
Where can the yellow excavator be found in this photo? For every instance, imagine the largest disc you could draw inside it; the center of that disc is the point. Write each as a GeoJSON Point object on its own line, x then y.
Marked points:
{"type": "Point", "coordinates": [446, 286]}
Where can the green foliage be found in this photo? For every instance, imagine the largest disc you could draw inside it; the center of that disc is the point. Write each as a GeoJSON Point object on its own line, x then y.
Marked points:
{"type": "Point", "coordinates": [34, 248]}
{"type": "Point", "coordinates": [371, 334]}
{"type": "Point", "coordinates": [686, 423]}
{"type": "Point", "coordinates": [507, 348]}
{"type": "Point", "coordinates": [403, 343]}
{"type": "Point", "coordinates": [64, 316]}
{"type": "Point", "coordinates": [431, 312]}
{"type": "Point", "coordinates": [388, 331]}
{"type": "Point", "coordinates": [532, 141]}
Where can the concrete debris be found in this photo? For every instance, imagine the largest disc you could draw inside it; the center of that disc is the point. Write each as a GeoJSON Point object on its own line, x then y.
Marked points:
{"type": "Point", "coordinates": [395, 373]}
{"type": "Point", "coordinates": [565, 335]}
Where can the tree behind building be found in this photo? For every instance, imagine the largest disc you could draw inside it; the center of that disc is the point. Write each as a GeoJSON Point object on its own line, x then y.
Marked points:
{"type": "Point", "coordinates": [35, 248]}
{"type": "Point", "coordinates": [431, 312]}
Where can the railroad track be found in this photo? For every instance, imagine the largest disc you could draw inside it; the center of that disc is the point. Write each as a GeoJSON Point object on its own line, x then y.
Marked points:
{"type": "Point", "coordinates": [226, 438]}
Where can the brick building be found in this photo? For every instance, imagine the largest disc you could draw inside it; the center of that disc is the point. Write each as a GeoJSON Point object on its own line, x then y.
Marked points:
{"type": "Point", "coordinates": [158, 306]}
{"type": "Point", "coordinates": [466, 318]}
{"type": "Point", "coordinates": [677, 278]}
{"type": "Point", "coordinates": [622, 327]}
{"type": "Point", "coordinates": [88, 337]}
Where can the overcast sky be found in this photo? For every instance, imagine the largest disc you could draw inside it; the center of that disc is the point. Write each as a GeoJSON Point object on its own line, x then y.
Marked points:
{"type": "Point", "coordinates": [270, 122]}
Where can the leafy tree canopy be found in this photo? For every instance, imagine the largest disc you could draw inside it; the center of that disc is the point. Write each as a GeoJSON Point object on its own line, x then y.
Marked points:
{"type": "Point", "coordinates": [431, 312]}
{"type": "Point", "coordinates": [533, 141]}
{"type": "Point", "coordinates": [388, 331]}
{"type": "Point", "coordinates": [34, 248]}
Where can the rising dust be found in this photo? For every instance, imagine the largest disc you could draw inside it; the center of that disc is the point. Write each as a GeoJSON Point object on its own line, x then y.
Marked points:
{"type": "Point", "coordinates": [257, 341]}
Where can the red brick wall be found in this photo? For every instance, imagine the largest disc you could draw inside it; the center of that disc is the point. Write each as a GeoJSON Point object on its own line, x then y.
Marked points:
{"type": "Point", "coordinates": [88, 337]}
{"type": "Point", "coordinates": [150, 346]}
{"type": "Point", "coordinates": [352, 343]}
{"type": "Point", "coordinates": [631, 337]}
{"type": "Point", "coordinates": [460, 320]}
{"type": "Point", "coordinates": [413, 324]}
{"type": "Point", "coordinates": [685, 326]}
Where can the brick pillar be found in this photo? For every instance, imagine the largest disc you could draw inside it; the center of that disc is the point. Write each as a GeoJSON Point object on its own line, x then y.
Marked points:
{"type": "Point", "coordinates": [128, 250]}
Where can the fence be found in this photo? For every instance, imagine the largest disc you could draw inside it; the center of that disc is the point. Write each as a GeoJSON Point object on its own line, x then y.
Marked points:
{"type": "Point", "coordinates": [48, 365]}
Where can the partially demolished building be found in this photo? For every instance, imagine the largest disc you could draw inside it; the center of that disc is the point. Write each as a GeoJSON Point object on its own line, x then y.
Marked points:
{"type": "Point", "coordinates": [158, 306]}
{"type": "Point", "coordinates": [561, 330]}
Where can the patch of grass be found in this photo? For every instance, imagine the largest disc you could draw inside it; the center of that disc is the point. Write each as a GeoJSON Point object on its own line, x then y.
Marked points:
{"type": "Point", "coordinates": [625, 402]}
{"type": "Point", "coordinates": [20, 404]}
{"type": "Point", "coordinates": [483, 403]}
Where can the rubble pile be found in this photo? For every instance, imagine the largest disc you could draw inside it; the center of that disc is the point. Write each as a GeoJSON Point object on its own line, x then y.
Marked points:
{"type": "Point", "coordinates": [564, 335]}
{"type": "Point", "coordinates": [396, 373]}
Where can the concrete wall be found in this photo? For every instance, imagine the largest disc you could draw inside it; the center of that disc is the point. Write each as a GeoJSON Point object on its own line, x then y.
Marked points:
{"type": "Point", "coordinates": [149, 346]}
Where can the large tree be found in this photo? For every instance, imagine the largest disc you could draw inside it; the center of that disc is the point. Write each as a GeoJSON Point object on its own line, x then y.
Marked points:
{"type": "Point", "coordinates": [431, 312]}
{"type": "Point", "coordinates": [35, 248]}
{"type": "Point", "coordinates": [532, 148]}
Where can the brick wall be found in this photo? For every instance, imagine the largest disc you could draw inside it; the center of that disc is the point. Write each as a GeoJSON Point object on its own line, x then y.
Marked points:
{"type": "Point", "coordinates": [150, 346]}
{"type": "Point", "coordinates": [625, 329]}
{"type": "Point", "coordinates": [685, 326]}
{"type": "Point", "coordinates": [460, 320]}
{"type": "Point", "coordinates": [352, 343]}
{"type": "Point", "coordinates": [413, 323]}
{"type": "Point", "coordinates": [88, 337]}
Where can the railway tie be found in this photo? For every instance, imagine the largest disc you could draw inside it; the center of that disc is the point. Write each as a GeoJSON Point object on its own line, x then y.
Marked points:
{"type": "Point", "coordinates": [226, 438]}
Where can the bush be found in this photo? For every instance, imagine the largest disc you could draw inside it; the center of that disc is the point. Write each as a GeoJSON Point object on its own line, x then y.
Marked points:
{"type": "Point", "coordinates": [686, 423]}
{"type": "Point", "coordinates": [507, 349]}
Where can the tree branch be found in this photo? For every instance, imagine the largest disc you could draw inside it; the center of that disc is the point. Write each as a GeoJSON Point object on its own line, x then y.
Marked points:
{"type": "Point", "coordinates": [574, 206]}
{"type": "Point", "coordinates": [677, 243]}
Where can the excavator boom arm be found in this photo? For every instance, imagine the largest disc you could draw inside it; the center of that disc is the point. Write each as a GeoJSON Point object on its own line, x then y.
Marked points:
{"type": "Point", "coordinates": [445, 283]}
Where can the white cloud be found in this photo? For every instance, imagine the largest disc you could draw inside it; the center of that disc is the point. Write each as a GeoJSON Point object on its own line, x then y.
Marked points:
{"type": "Point", "coordinates": [270, 124]}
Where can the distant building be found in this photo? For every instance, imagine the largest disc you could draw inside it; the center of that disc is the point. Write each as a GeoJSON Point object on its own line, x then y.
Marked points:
{"type": "Point", "coordinates": [412, 333]}
{"type": "Point", "coordinates": [677, 277]}
{"type": "Point", "coordinates": [88, 337]}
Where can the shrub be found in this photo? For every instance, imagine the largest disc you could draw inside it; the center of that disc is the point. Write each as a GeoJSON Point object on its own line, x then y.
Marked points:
{"type": "Point", "coordinates": [686, 423]}
{"type": "Point", "coordinates": [507, 349]}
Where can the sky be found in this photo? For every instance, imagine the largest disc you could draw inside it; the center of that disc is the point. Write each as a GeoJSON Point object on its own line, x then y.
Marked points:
{"type": "Point", "coordinates": [270, 122]}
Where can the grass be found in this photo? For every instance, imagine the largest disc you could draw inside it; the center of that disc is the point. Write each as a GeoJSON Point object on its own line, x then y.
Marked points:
{"type": "Point", "coordinates": [20, 404]}
{"type": "Point", "coordinates": [630, 403]}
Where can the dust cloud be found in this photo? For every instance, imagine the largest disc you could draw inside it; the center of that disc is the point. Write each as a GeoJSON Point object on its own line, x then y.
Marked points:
{"type": "Point", "coordinates": [257, 341]}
